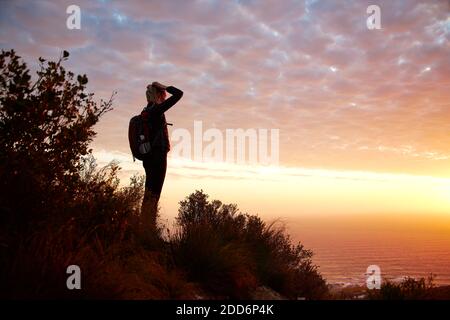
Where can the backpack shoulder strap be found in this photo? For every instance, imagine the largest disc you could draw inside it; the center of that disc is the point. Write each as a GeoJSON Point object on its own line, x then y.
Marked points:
{"type": "Point", "coordinates": [145, 115]}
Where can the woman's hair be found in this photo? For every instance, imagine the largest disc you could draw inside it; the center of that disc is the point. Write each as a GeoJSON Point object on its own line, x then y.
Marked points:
{"type": "Point", "coordinates": [154, 95]}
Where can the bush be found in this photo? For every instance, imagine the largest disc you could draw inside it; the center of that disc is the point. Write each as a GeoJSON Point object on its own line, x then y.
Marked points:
{"type": "Point", "coordinates": [45, 129]}
{"type": "Point", "coordinates": [234, 252]}
{"type": "Point", "coordinates": [408, 289]}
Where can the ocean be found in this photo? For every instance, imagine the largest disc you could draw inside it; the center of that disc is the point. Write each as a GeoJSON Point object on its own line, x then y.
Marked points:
{"type": "Point", "coordinates": [404, 246]}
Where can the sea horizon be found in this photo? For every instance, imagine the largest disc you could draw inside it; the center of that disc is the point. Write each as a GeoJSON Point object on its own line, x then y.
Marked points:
{"type": "Point", "coordinates": [351, 246]}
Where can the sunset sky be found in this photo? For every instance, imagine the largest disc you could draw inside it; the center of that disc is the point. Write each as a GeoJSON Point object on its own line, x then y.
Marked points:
{"type": "Point", "coordinates": [364, 115]}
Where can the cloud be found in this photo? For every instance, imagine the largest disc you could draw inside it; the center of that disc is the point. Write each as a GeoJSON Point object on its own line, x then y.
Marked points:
{"type": "Point", "coordinates": [309, 68]}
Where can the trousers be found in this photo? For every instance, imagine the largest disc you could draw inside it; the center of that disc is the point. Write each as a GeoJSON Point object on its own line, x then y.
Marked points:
{"type": "Point", "coordinates": [155, 166]}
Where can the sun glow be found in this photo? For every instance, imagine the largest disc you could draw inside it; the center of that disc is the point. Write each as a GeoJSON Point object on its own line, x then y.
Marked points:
{"type": "Point", "coordinates": [278, 191]}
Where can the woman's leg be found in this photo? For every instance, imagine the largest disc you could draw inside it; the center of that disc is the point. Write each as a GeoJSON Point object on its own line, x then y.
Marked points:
{"type": "Point", "coordinates": [155, 173]}
{"type": "Point", "coordinates": [158, 174]}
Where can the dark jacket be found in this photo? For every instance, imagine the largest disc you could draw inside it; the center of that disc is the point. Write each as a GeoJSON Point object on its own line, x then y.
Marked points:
{"type": "Point", "coordinates": [158, 124]}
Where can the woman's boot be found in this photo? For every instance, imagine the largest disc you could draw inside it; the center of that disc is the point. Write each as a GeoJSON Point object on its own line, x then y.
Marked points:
{"type": "Point", "coordinates": [149, 210]}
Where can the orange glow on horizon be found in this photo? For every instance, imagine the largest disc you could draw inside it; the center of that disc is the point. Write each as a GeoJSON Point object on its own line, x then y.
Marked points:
{"type": "Point", "coordinates": [294, 192]}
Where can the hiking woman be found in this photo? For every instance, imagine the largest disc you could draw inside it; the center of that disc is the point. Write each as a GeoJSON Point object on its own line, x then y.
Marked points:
{"type": "Point", "coordinates": [155, 164]}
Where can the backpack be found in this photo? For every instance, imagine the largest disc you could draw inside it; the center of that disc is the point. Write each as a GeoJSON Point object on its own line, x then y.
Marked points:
{"type": "Point", "coordinates": [139, 136]}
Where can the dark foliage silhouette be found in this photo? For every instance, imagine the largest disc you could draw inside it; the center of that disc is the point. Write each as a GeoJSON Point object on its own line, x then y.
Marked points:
{"type": "Point", "coordinates": [408, 289]}
{"type": "Point", "coordinates": [234, 252]}
{"type": "Point", "coordinates": [45, 128]}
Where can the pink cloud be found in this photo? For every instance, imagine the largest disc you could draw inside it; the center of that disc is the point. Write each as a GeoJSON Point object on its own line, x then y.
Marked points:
{"type": "Point", "coordinates": [311, 69]}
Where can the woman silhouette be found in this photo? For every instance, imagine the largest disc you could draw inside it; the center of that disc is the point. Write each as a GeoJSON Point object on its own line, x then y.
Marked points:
{"type": "Point", "coordinates": [155, 164]}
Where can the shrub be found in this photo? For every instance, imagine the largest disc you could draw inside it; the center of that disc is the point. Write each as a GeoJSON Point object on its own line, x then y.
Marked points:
{"type": "Point", "coordinates": [408, 289]}
{"type": "Point", "coordinates": [216, 242]}
{"type": "Point", "coordinates": [45, 129]}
